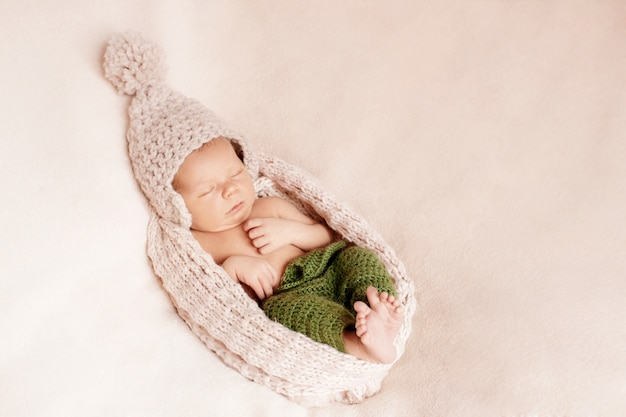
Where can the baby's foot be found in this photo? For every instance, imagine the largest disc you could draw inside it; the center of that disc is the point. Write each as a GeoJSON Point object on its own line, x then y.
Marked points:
{"type": "Point", "coordinates": [378, 324]}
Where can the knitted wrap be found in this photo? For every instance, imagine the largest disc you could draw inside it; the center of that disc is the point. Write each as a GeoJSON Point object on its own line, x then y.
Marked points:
{"type": "Point", "coordinates": [164, 128]}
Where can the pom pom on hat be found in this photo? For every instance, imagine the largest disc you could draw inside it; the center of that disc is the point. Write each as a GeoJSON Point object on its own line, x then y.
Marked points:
{"type": "Point", "coordinates": [131, 62]}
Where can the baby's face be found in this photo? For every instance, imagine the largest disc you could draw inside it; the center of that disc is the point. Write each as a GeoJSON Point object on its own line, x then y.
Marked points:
{"type": "Point", "coordinates": [216, 187]}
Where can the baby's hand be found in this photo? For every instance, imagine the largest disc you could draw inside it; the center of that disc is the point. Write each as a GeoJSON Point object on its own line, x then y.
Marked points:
{"type": "Point", "coordinates": [270, 233]}
{"type": "Point", "coordinates": [257, 273]}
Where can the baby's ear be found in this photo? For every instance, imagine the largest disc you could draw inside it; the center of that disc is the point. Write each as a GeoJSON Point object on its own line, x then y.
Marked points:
{"type": "Point", "coordinates": [175, 184]}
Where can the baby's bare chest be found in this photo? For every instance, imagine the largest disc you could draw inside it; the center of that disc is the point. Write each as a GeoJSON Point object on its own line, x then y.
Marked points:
{"type": "Point", "coordinates": [237, 242]}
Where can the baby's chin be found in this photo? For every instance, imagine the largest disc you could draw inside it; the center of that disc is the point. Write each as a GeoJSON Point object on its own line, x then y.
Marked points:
{"type": "Point", "coordinates": [219, 229]}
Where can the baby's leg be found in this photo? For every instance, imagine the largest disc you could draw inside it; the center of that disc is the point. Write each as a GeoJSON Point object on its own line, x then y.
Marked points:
{"type": "Point", "coordinates": [321, 319]}
{"type": "Point", "coordinates": [377, 326]}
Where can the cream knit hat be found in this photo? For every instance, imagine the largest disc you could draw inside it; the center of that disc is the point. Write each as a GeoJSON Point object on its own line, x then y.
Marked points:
{"type": "Point", "coordinates": [165, 126]}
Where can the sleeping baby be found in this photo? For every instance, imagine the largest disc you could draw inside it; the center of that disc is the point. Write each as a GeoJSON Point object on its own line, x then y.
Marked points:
{"type": "Point", "coordinates": [337, 294]}
{"type": "Point", "coordinates": [224, 217]}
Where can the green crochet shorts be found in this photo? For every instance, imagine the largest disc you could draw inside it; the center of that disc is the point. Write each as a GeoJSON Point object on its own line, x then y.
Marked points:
{"type": "Point", "coordinates": [319, 289]}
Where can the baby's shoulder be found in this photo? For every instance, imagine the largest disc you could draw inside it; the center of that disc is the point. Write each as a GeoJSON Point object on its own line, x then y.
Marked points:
{"type": "Point", "coordinates": [269, 206]}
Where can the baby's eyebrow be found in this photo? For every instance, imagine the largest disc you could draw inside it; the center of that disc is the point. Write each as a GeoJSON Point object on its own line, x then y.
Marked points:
{"type": "Point", "coordinates": [204, 183]}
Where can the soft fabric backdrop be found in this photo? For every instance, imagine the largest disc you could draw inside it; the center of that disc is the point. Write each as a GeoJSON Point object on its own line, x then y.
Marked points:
{"type": "Point", "coordinates": [483, 139]}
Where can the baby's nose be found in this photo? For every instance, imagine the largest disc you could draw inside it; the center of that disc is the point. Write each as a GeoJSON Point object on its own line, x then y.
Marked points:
{"type": "Point", "coordinates": [230, 189]}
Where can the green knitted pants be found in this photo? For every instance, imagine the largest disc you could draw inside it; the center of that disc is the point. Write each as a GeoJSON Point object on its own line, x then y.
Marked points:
{"type": "Point", "coordinates": [319, 289]}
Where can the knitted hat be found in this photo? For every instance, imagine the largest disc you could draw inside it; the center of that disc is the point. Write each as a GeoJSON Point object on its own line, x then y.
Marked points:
{"type": "Point", "coordinates": [165, 126]}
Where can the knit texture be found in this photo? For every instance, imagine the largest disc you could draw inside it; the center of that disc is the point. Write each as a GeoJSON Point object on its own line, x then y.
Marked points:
{"type": "Point", "coordinates": [164, 127]}
{"type": "Point", "coordinates": [319, 289]}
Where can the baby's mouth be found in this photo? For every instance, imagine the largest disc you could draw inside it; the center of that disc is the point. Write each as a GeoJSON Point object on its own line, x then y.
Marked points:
{"type": "Point", "coordinates": [235, 208]}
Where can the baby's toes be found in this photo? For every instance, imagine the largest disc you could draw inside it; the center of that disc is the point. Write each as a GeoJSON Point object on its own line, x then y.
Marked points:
{"type": "Point", "coordinates": [361, 308]}
{"type": "Point", "coordinates": [395, 303]}
{"type": "Point", "coordinates": [361, 327]}
{"type": "Point", "coordinates": [396, 310]}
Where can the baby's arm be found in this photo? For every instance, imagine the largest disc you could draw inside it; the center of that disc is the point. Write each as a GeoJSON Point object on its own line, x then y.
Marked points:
{"type": "Point", "coordinates": [257, 273]}
{"type": "Point", "coordinates": [288, 227]}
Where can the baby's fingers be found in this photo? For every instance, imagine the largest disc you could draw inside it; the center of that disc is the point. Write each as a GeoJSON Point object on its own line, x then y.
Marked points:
{"type": "Point", "coordinates": [267, 289]}
{"type": "Point", "coordinates": [254, 232]}
{"type": "Point", "coordinates": [258, 289]}
{"type": "Point", "coordinates": [274, 277]}
{"type": "Point", "coordinates": [258, 241]}
{"type": "Point", "coordinates": [252, 223]}
{"type": "Point", "coordinates": [262, 287]}
{"type": "Point", "coordinates": [265, 280]}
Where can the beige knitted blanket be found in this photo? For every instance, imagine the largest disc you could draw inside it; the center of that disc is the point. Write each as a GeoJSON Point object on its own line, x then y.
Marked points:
{"type": "Point", "coordinates": [165, 127]}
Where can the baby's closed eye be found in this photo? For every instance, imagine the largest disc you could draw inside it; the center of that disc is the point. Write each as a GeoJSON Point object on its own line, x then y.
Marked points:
{"type": "Point", "coordinates": [206, 191]}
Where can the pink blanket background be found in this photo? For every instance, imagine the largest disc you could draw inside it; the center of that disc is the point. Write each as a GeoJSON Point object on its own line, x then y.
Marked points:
{"type": "Point", "coordinates": [483, 139]}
